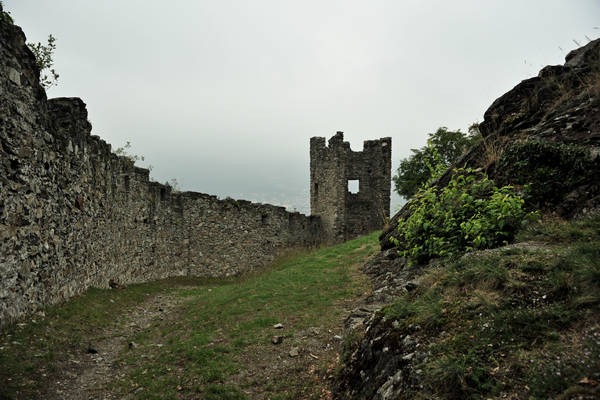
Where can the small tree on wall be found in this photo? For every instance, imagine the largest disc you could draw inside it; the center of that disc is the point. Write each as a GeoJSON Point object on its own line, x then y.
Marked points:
{"type": "Point", "coordinates": [44, 56]}
{"type": "Point", "coordinates": [125, 151]}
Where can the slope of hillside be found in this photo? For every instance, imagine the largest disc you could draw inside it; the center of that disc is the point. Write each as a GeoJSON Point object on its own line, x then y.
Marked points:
{"type": "Point", "coordinates": [516, 322]}
{"type": "Point", "coordinates": [521, 321]}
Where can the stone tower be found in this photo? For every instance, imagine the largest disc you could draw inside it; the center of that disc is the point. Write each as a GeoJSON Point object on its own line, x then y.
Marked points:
{"type": "Point", "coordinates": [345, 215]}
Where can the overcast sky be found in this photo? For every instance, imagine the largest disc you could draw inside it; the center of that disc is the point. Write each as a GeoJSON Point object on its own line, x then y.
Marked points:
{"type": "Point", "coordinates": [224, 95]}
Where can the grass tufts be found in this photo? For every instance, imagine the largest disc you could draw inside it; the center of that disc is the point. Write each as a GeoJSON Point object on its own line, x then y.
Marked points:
{"type": "Point", "coordinates": [520, 321]}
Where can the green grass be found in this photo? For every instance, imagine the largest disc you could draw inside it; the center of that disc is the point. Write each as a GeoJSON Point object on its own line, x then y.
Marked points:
{"type": "Point", "coordinates": [506, 321]}
{"type": "Point", "coordinates": [298, 292]}
{"type": "Point", "coordinates": [30, 351]}
{"type": "Point", "coordinates": [202, 345]}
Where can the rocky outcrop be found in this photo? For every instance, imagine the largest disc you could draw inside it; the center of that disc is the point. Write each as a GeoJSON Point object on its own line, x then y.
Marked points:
{"type": "Point", "coordinates": [377, 359]}
{"type": "Point", "coordinates": [560, 106]}
{"type": "Point", "coordinates": [546, 129]}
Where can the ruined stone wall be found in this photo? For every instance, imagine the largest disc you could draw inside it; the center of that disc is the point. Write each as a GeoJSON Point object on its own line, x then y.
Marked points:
{"type": "Point", "coordinates": [327, 186]}
{"type": "Point", "coordinates": [344, 214]}
{"type": "Point", "coordinates": [74, 215]}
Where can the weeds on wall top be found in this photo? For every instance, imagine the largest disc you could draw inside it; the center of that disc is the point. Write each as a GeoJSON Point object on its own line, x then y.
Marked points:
{"type": "Point", "coordinates": [44, 56]}
{"type": "Point", "coordinates": [125, 151]}
{"type": "Point", "coordinates": [5, 15]}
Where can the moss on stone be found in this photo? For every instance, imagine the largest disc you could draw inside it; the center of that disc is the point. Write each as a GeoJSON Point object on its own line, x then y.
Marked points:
{"type": "Point", "coordinates": [552, 170]}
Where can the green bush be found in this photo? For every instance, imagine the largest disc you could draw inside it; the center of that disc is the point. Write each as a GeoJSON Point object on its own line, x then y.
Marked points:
{"type": "Point", "coordinates": [469, 213]}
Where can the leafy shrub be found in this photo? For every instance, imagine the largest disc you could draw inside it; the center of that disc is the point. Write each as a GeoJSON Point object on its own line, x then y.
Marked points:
{"type": "Point", "coordinates": [469, 213]}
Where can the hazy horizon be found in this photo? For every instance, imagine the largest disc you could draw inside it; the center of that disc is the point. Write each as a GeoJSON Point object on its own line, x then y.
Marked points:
{"type": "Point", "coordinates": [224, 96]}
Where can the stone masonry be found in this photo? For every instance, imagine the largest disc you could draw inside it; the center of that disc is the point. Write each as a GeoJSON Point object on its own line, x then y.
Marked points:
{"type": "Point", "coordinates": [74, 215]}
{"type": "Point", "coordinates": [345, 215]}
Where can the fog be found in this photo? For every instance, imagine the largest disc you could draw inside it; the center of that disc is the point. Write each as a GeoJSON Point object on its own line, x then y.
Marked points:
{"type": "Point", "coordinates": [224, 95]}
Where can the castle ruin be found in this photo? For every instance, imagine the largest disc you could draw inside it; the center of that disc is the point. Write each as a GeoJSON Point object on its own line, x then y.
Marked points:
{"type": "Point", "coordinates": [74, 215]}
{"type": "Point", "coordinates": [344, 214]}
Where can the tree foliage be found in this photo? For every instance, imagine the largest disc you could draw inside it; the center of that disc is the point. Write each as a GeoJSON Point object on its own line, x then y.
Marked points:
{"type": "Point", "coordinates": [44, 54]}
{"type": "Point", "coordinates": [444, 149]}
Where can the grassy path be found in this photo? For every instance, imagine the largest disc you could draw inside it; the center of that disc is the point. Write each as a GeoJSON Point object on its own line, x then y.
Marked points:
{"type": "Point", "coordinates": [188, 339]}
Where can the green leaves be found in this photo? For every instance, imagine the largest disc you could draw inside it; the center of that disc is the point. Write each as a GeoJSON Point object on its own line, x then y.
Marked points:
{"type": "Point", "coordinates": [469, 213]}
{"type": "Point", "coordinates": [44, 57]}
{"type": "Point", "coordinates": [426, 164]}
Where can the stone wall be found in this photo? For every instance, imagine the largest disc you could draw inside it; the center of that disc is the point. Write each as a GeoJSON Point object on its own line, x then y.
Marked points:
{"type": "Point", "coordinates": [74, 215]}
{"type": "Point", "coordinates": [344, 214]}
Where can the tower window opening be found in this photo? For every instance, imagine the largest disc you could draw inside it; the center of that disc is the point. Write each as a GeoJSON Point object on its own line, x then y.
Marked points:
{"type": "Point", "coordinates": [353, 186]}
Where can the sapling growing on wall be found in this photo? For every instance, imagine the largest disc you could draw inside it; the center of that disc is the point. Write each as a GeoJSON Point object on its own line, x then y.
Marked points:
{"type": "Point", "coordinates": [43, 52]}
{"type": "Point", "coordinates": [125, 151]}
{"type": "Point", "coordinates": [174, 184]}
{"type": "Point", "coordinates": [44, 56]}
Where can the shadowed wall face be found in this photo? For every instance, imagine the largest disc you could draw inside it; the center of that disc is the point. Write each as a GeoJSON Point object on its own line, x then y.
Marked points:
{"type": "Point", "coordinates": [335, 171]}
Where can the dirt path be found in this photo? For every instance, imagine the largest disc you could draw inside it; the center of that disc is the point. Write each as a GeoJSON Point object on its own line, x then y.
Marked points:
{"type": "Point", "coordinates": [195, 339]}
{"type": "Point", "coordinates": [87, 376]}
{"type": "Point", "coordinates": [303, 362]}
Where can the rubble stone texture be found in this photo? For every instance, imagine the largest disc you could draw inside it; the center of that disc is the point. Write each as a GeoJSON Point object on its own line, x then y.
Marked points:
{"type": "Point", "coordinates": [74, 215]}
{"type": "Point", "coordinates": [344, 214]}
